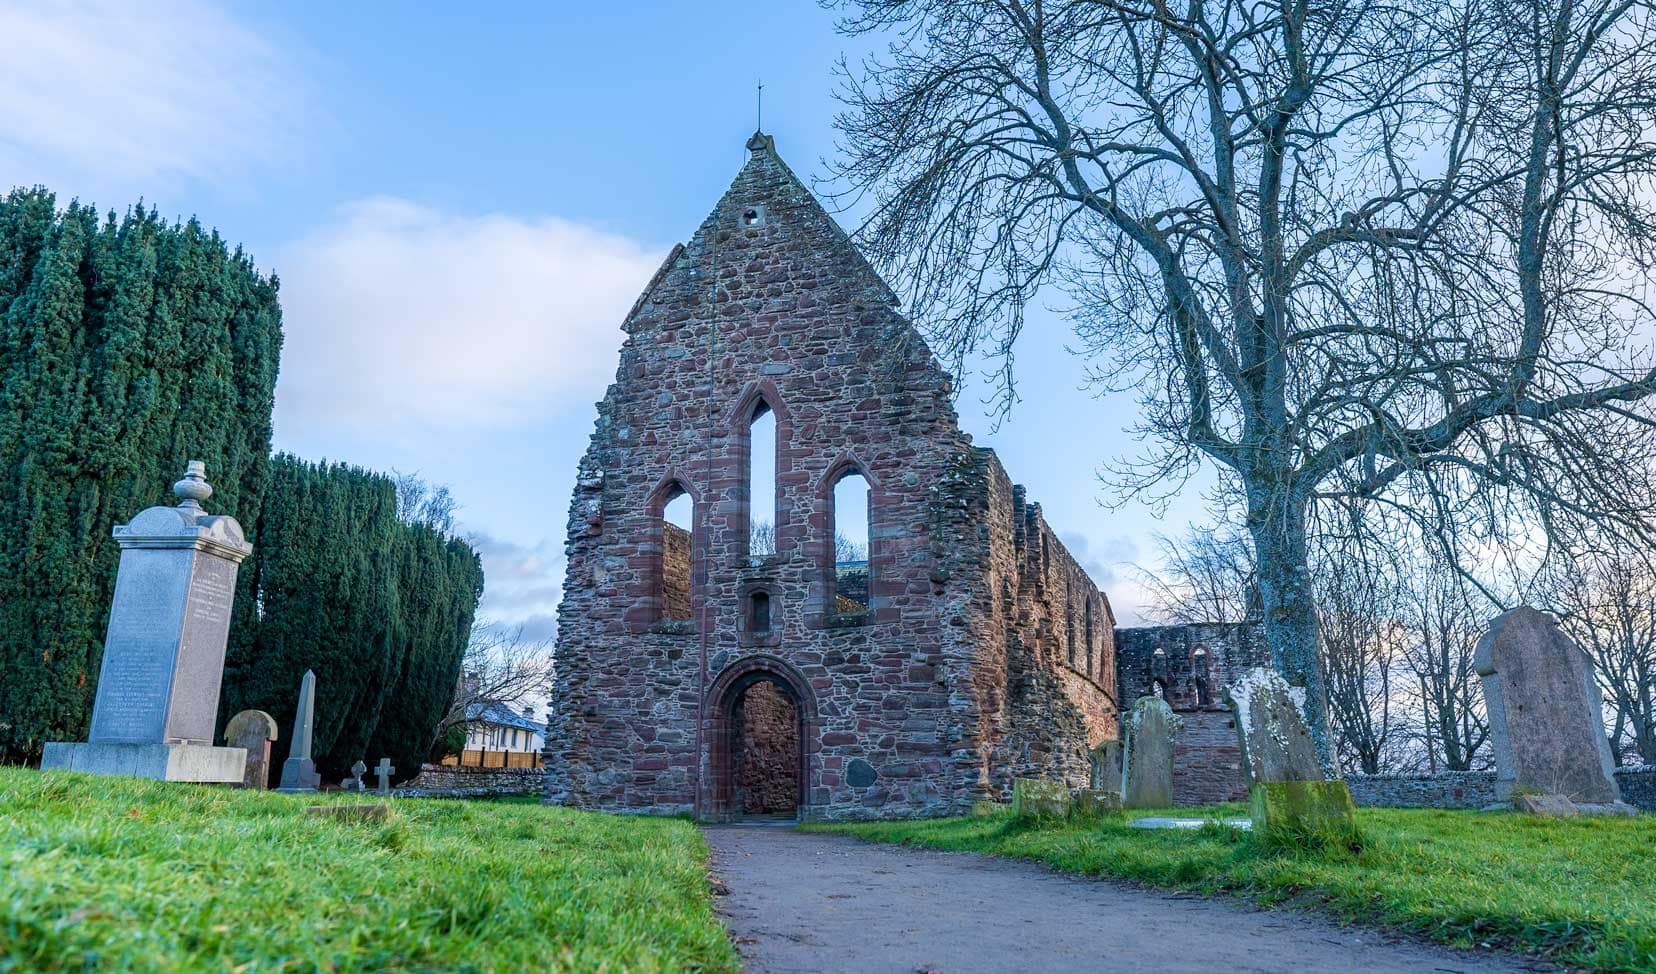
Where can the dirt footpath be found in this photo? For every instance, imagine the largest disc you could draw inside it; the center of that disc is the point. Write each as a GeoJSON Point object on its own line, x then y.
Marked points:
{"type": "Point", "coordinates": [806, 902]}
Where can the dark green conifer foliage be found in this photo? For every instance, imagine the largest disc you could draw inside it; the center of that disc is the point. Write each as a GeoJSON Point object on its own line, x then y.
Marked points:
{"type": "Point", "coordinates": [127, 347]}
{"type": "Point", "coordinates": [378, 608]}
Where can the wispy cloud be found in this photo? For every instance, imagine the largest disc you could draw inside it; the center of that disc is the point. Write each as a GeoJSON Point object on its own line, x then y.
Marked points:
{"type": "Point", "coordinates": [401, 318]}
{"type": "Point", "coordinates": [109, 96]}
{"type": "Point", "coordinates": [525, 583]}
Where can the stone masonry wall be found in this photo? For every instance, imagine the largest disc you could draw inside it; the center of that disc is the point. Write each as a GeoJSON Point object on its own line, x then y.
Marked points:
{"type": "Point", "coordinates": [769, 303]}
{"type": "Point", "coordinates": [675, 571]}
{"type": "Point", "coordinates": [1475, 789]}
{"type": "Point", "coordinates": [436, 781]}
{"type": "Point", "coordinates": [766, 773]}
{"type": "Point", "coordinates": [1207, 760]}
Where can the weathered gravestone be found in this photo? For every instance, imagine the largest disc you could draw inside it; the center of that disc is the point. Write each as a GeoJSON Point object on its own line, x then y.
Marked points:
{"type": "Point", "coordinates": [299, 771]}
{"type": "Point", "coordinates": [1091, 804]}
{"type": "Point", "coordinates": [1106, 766]}
{"type": "Point", "coordinates": [354, 782]}
{"type": "Point", "coordinates": [1038, 798]}
{"type": "Point", "coordinates": [1147, 754]}
{"type": "Point", "coordinates": [384, 771]}
{"type": "Point", "coordinates": [1287, 788]}
{"type": "Point", "coordinates": [1544, 712]}
{"type": "Point", "coordinates": [163, 661]}
{"type": "Point", "coordinates": [252, 731]}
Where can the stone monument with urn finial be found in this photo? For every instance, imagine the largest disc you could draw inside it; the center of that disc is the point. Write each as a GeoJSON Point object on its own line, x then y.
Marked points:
{"type": "Point", "coordinates": [163, 661]}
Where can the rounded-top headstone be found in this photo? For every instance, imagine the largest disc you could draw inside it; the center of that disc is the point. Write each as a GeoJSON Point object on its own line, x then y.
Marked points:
{"type": "Point", "coordinates": [250, 727]}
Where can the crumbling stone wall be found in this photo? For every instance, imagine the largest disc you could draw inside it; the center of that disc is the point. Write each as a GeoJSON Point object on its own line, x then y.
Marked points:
{"type": "Point", "coordinates": [767, 765]}
{"type": "Point", "coordinates": [675, 572]}
{"type": "Point", "coordinates": [956, 676]}
{"type": "Point", "coordinates": [1191, 665]}
{"type": "Point", "coordinates": [438, 781]}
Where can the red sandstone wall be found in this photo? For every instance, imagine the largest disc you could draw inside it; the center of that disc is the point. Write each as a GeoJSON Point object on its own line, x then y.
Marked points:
{"type": "Point", "coordinates": [1207, 760]}
{"type": "Point", "coordinates": [675, 571]}
{"type": "Point", "coordinates": [768, 765]}
{"type": "Point", "coordinates": [960, 674]}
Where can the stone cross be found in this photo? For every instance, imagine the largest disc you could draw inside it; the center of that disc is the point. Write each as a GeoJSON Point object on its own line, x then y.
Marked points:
{"type": "Point", "coordinates": [1147, 757]}
{"type": "Point", "coordinates": [384, 771]}
{"type": "Point", "coordinates": [299, 771]}
{"type": "Point", "coordinates": [1545, 717]}
{"type": "Point", "coordinates": [357, 771]}
{"type": "Point", "coordinates": [252, 731]}
{"type": "Point", "coordinates": [157, 700]}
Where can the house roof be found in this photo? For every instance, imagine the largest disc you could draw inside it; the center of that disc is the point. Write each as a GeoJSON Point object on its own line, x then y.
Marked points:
{"type": "Point", "coordinates": [495, 712]}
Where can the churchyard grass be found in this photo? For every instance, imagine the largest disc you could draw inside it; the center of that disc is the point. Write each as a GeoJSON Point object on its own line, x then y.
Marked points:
{"type": "Point", "coordinates": [116, 874]}
{"type": "Point", "coordinates": [1575, 890]}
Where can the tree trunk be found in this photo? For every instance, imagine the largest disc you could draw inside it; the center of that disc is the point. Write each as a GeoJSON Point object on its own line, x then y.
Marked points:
{"type": "Point", "coordinates": [1276, 521]}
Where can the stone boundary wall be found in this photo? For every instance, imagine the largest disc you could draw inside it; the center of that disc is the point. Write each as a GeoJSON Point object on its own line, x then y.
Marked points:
{"type": "Point", "coordinates": [435, 781]}
{"type": "Point", "coordinates": [1475, 789]}
{"type": "Point", "coordinates": [1446, 789]}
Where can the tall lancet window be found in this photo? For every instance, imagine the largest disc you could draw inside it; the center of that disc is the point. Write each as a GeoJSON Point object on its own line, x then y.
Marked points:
{"type": "Point", "coordinates": [853, 576]}
{"type": "Point", "coordinates": [761, 483]}
{"type": "Point", "coordinates": [678, 553]}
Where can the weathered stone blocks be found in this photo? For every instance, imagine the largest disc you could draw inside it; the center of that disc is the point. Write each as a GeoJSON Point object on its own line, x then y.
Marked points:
{"type": "Point", "coordinates": [1033, 798]}
{"type": "Point", "coordinates": [1288, 794]}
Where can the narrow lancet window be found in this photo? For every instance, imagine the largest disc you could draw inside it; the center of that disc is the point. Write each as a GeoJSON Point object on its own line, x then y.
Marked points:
{"type": "Point", "coordinates": [852, 575]}
{"type": "Point", "coordinates": [677, 555]}
{"type": "Point", "coordinates": [761, 484]}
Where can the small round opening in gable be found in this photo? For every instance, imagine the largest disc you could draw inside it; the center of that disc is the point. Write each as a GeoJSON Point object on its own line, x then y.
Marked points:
{"type": "Point", "coordinates": [753, 216]}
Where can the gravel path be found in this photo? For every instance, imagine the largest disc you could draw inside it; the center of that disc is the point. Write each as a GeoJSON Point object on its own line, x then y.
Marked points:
{"type": "Point", "coordinates": [808, 902]}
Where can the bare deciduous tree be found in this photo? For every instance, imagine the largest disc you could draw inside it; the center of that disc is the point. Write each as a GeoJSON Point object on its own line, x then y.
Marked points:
{"type": "Point", "coordinates": [1348, 251]}
{"type": "Point", "coordinates": [420, 503]}
{"type": "Point", "coordinates": [500, 666]}
{"type": "Point", "coordinates": [1607, 603]}
{"type": "Point", "coordinates": [1444, 620]}
{"type": "Point", "coordinates": [1357, 609]}
{"type": "Point", "coordinates": [1206, 577]}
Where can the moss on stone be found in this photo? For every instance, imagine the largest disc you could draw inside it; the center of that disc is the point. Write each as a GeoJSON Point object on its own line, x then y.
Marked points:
{"type": "Point", "coordinates": [1035, 798]}
{"type": "Point", "coordinates": [1300, 813]}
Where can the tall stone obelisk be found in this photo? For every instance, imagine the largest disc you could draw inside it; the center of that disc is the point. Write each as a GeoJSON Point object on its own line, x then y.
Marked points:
{"type": "Point", "coordinates": [299, 771]}
{"type": "Point", "coordinates": [163, 659]}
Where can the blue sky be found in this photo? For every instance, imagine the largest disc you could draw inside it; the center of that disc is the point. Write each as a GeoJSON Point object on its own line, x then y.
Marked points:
{"type": "Point", "coordinates": [461, 209]}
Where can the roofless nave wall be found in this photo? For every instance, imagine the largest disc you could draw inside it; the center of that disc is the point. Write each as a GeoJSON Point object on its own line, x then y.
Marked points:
{"type": "Point", "coordinates": [975, 650]}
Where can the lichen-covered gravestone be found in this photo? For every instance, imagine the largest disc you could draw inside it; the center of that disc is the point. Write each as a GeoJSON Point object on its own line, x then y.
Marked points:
{"type": "Point", "coordinates": [1147, 756]}
{"type": "Point", "coordinates": [1545, 717]}
{"type": "Point", "coordinates": [1287, 788]}
{"type": "Point", "coordinates": [1037, 798]}
{"type": "Point", "coordinates": [163, 658]}
{"type": "Point", "coordinates": [1093, 804]}
{"type": "Point", "coordinates": [252, 731]}
{"type": "Point", "coordinates": [1106, 766]}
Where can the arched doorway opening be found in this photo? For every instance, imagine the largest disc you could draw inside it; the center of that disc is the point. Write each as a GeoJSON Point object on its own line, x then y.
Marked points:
{"type": "Point", "coordinates": [762, 736]}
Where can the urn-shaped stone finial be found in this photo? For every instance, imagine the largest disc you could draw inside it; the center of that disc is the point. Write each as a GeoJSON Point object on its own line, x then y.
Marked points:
{"type": "Point", "coordinates": [194, 488]}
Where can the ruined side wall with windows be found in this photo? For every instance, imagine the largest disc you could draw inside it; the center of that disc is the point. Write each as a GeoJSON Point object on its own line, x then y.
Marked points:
{"type": "Point", "coordinates": [1190, 666]}
{"type": "Point", "coordinates": [1038, 632]}
{"type": "Point", "coordinates": [930, 695]}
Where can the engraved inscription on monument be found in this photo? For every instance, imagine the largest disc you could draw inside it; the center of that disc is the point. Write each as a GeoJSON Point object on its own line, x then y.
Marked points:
{"type": "Point", "coordinates": [158, 687]}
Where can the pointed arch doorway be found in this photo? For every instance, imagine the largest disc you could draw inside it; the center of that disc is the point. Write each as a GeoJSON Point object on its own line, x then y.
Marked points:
{"type": "Point", "coordinates": [762, 730]}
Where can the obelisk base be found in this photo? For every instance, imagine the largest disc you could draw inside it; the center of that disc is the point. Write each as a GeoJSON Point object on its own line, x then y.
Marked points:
{"type": "Point", "coordinates": [160, 762]}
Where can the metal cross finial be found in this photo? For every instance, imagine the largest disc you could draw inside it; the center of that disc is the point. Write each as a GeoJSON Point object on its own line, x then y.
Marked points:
{"type": "Point", "coordinates": [759, 110]}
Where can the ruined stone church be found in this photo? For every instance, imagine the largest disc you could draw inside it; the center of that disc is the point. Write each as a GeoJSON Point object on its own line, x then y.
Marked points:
{"type": "Point", "coordinates": [718, 670]}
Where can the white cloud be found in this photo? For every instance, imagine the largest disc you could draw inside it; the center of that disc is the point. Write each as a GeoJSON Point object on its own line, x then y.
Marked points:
{"type": "Point", "coordinates": [112, 95]}
{"type": "Point", "coordinates": [524, 584]}
{"type": "Point", "coordinates": [401, 318]}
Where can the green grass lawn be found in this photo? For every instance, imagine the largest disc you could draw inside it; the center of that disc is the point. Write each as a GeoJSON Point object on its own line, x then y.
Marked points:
{"type": "Point", "coordinates": [114, 874]}
{"type": "Point", "coordinates": [1582, 891]}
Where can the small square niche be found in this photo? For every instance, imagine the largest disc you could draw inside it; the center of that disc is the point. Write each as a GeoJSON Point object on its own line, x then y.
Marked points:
{"type": "Point", "coordinates": [753, 216]}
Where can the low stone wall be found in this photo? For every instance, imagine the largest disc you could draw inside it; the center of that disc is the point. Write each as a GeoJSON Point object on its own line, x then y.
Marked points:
{"type": "Point", "coordinates": [1638, 786]}
{"type": "Point", "coordinates": [1475, 789]}
{"type": "Point", "coordinates": [1446, 789]}
{"type": "Point", "coordinates": [435, 781]}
